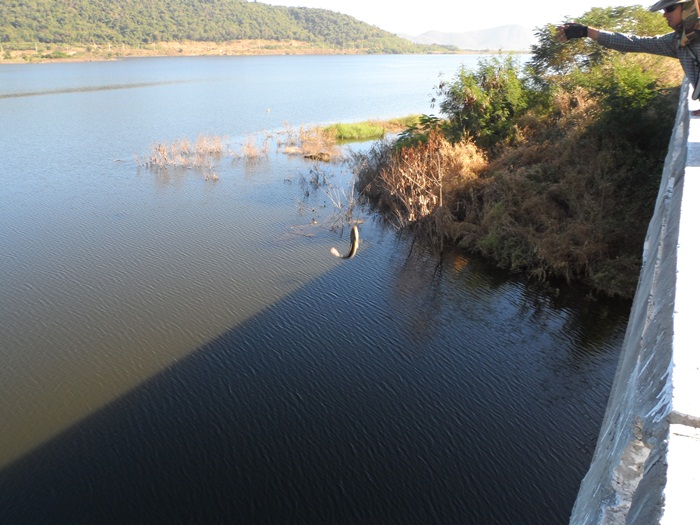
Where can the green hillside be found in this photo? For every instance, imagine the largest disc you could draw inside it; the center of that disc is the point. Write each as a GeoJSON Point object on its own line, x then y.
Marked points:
{"type": "Point", "coordinates": [137, 22]}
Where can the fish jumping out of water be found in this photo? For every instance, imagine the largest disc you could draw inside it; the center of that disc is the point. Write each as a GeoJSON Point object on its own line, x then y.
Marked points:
{"type": "Point", "coordinates": [354, 242]}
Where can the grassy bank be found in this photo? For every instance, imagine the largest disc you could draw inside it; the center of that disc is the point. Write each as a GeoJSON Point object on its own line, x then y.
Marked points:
{"type": "Point", "coordinates": [369, 129]}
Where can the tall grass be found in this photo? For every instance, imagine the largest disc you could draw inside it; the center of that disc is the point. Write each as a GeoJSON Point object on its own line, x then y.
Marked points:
{"type": "Point", "coordinates": [314, 143]}
{"type": "Point", "coordinates": [369, 129]}
{"type": "Point", "coordinates": [356, 132]}
{"type": "Point", "coordinates": [254, 147]}
{"type": "Point", "coordinates": [416, 186]}
{"type": "Point", "coordinates": [183, 154]}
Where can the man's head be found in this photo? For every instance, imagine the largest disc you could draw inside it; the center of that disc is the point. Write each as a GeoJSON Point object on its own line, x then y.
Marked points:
{"type": "Point", "coordinates": [673, 11]}
{"type": "Point", "coordinates": [663, 4]}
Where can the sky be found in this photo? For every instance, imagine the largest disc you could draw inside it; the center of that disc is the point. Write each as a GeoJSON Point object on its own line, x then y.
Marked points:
{"type": "Point", "coordinates": [452, 16]}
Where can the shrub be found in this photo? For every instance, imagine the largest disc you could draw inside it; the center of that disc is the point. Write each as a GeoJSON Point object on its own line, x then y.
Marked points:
{"type": "Point", "coordinates": [481, 105]}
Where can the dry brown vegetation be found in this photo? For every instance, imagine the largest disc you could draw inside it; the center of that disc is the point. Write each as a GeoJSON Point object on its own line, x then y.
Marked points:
{"type": "Point", "coordinates": [184, 154]}
{"type": "Point", "coordinates": [254, 147]}
{"type": "Point", "coordinates": [200, 155]}
{"type": "Point", "coordinates": [207, 151]}
{"type": "Point", "coordinates": [92, 52]}
{"type": "Point", "coordinates": [314, 143]}
{"type": "Point", "coordinates": [418, 185]}
{"type": "Point", "coordinates": [563, 201]}
{"type": "Point", "coordinates": [569, 202]}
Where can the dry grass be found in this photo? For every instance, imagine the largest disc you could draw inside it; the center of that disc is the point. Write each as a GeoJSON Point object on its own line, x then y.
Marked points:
{"type": "Point", "coordinates": [183, 154]}
{"type": "Point", "coordinates": [418, 180]}
{"type": "Point", "coordinates": [568, 203]}
{"type": "Point", "coordinates": [418, 185]}
{"type": "Point", "coordinates": [92, 52]}
{"type": "Point", "coordinates": [255, 147]}
{"type": "Point", "coordinates": [314, 143]}
{"type": "Point", "coordinates": [209, 150]}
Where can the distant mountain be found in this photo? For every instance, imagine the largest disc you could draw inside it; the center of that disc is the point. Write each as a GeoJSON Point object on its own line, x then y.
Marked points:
{"type": "Point", "coordinates": [506, 38]}
{"type": "Point", "coordinates": [138, 22]}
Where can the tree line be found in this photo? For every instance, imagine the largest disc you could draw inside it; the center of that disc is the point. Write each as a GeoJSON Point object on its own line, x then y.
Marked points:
{"type": "Point", "coordinates": [137, 22]}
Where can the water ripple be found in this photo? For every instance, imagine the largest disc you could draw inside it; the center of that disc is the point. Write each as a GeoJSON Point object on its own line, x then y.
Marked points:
{"type": "Point", "coordinates": [88, 89]}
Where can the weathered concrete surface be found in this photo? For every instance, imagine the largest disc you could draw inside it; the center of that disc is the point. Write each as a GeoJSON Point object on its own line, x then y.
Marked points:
{"type": "Point", "coordinates": [646, 464]}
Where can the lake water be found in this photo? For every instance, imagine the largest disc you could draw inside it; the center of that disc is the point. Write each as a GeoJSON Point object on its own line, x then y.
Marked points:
{"type": "Point", "coordinates": [179, 349]}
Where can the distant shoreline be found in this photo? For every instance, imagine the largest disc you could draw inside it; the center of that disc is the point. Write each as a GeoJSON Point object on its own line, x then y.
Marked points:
{"type": "Point", "coordinates": [38, 52]}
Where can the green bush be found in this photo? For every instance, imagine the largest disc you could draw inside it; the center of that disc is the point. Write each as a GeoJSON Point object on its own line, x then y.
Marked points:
{"type": "Point", "coordinates": [483, 104]}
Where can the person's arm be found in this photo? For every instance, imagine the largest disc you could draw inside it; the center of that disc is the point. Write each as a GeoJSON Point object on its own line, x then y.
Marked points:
{"type": "Point", "coordinates": [666, 45]}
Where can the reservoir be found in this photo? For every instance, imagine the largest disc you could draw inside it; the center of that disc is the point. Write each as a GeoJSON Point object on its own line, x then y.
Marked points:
{"type": "Point", "coordinates": [179, 345]}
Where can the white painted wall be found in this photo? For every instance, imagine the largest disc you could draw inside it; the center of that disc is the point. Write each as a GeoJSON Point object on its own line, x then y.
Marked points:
{"type": "Point", "coordinates": [646, 466]}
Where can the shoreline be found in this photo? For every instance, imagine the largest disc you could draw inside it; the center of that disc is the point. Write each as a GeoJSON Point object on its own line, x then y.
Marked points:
{"type": "Point", "coordinates": [42, 53]}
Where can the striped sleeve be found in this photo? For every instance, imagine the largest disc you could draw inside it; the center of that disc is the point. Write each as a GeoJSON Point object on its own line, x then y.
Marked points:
{"type": "Point", "coordinates": [666, 45]}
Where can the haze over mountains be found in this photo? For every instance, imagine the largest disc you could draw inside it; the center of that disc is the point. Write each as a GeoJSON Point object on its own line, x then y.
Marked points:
{"type": "Point", "coordinates": [506, 38]}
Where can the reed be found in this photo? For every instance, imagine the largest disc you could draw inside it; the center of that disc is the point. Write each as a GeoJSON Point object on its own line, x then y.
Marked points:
{"type": "Point", "coordinates": [416, 186]}
{"type": "Point", "coordinates": [183, 154]}
{"type": "Point", "coordinates": [209, 146]}
{"type": "Point", "coordinates": [314, 143]}
{"type": "Point", "coordinates": [254, 147]}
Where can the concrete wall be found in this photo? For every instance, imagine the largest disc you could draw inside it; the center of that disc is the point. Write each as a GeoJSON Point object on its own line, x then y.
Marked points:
{"type": "Point", "coordinates": [646, 466]}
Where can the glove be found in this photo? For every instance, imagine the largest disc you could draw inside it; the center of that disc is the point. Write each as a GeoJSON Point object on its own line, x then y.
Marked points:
{"type": "Point", "coordinates": [575, 31]}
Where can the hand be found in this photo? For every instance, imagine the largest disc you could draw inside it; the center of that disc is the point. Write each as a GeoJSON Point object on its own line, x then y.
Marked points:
{"type": "Point", "coordinates": [572, 30]}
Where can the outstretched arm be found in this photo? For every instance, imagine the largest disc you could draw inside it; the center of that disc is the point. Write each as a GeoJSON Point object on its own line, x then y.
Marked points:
{"type": "Point", "coordinates": [666, 45]}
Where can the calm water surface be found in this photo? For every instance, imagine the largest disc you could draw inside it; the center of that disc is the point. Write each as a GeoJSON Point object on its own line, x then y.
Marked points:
{"type": "Point", "coordinates": [182, 350]}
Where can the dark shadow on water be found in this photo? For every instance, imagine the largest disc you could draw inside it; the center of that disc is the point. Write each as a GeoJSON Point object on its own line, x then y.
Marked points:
{"type": "Point", "coordinates": [279, 422]}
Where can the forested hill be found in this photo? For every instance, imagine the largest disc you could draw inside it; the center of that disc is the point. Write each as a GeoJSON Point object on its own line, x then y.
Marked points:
{"type": "Point", "coordinates": [135, 22]}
